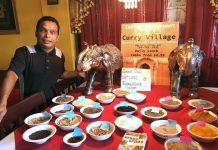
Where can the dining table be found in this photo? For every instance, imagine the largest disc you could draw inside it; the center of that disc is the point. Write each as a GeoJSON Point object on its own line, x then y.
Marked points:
{"type": "Point", "coordinates": [109, 114]}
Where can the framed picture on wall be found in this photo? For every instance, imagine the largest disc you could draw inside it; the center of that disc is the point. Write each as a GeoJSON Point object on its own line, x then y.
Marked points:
{"type": "Point", "coordinates": [8, 18]}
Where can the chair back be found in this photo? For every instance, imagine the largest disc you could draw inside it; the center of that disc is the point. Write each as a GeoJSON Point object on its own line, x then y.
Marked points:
{"type": "Point", "coordinates": [17, 113]}
{"type": "Point", "coordinates": [67, 85]}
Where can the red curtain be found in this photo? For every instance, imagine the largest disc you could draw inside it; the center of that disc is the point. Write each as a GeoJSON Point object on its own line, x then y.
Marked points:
{"type": "Point", "coordinates": [200, 25]}
{"type": "Point", "coordinates": [103, 25]}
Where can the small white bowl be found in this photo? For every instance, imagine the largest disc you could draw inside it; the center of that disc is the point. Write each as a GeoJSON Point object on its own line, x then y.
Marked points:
{"type": "Point", "coordinates": [128, 124]}
{"type": "Point", "coordinates": [56, 108]}
{"type": "Point", "coordinates": [54, 100]}
{"type": "Point", "coordinates": [153, 118]}
{"type": "Point", "coordinates": [28, 132]}
{"type": "Point", "coordinates": [201, 138]}
{"type": "Point", "coordinates": [135, 97]}
{"type": "Point", "coordinates": [70, 127]}
{"type": "Point", "coordinates": [193, 101]}
{"type": "Point", "coordinates": [37, 115]}
{"type": "Point", "coordinates": [125, 112]}
{"type": "Point", "coordinates": [91, 116]}
{"type": "Point", "coordinates": [161, 135]}
{"type": "Point", "coordinates": [80, 103]}
{"type": "Point", "coordinates": [99, 137]}
{"type": "Point", "coordinates": [168, 106]}
{"type": "Point", "coordinates": [119, 92]}
{"type": "Point", "coordinates": [77, 144]}
{"type": "Point", "coordinates": [109, 97]}
{"type": "Point", "coordinates": [177, 139]}
{"type": "Point", "coordinates": [209, 112]}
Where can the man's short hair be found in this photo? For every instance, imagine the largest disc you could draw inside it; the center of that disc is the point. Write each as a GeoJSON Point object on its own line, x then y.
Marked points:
{"type": "Point", "coordinates": [47, 18]}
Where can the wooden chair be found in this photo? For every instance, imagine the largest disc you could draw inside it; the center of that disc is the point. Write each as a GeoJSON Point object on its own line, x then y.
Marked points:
{"type": "Point", "coordinates": [17, 113]}
{"type": "Point", "coordinates": [67, 85]}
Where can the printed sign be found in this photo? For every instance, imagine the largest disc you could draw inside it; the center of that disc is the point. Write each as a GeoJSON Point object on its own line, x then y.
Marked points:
{"type": "Point", "coordinates": [148, 45]}
{"type": "Point", "coordinates": [149, 39]}
{"type": "Point", "coordinates": [136, 79]}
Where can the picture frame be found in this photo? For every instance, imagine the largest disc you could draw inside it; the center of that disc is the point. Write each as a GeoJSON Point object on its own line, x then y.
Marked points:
{"type": "Point", "coordinates": [8, 17]}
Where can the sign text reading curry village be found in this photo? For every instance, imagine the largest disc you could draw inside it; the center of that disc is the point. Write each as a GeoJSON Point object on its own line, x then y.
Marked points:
{"type": "Point", "coordinates": [149, 39]}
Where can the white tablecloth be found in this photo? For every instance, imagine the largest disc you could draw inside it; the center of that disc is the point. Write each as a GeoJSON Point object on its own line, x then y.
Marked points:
{"type": "Point", "coordinates": [8, 143]}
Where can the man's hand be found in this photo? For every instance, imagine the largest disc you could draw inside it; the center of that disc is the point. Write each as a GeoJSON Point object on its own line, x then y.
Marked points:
{"type": "Point", "coordinates": [3, 111]}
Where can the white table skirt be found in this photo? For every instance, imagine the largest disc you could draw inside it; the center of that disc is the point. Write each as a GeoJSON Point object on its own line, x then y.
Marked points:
{"type": "Point", "coordinates": [8, 143]}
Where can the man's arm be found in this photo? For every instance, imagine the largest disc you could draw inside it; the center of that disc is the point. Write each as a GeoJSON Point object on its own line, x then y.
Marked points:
{"type": "Point", "coordinates": [7, 86]}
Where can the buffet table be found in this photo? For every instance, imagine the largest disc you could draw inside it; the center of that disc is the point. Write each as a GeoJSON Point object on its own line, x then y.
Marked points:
{"type": "Point", "coordinates": [109, 114]}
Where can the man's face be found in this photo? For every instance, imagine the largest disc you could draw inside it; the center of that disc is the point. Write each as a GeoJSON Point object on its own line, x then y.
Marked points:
{"type": "Point", "coordinates": [47, 35]}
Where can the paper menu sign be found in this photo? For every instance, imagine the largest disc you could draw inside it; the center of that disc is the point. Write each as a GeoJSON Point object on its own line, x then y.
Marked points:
{"type": "Point", "coordinates": [136, 79]}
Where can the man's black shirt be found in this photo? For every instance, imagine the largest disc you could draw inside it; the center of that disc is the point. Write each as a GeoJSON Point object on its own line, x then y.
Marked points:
{"type": "Point", "coordinates": [39, 69]}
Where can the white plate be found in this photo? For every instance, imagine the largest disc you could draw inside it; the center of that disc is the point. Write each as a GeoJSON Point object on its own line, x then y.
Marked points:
{"type": "Point", "coordinates": [28, 132]}
{"type": "Point", "coordinates": [177, 139]}
{"type": "Point", "coordinates": [154, 118]}
{"type": "Point", "coordinates": [54, 100]}
{"type": "Point", "coordinates": [135, 97]}
{"type": "Point", "coordinates": [190, 103]}
{"type": "Point", "coordinates": [128, 124]}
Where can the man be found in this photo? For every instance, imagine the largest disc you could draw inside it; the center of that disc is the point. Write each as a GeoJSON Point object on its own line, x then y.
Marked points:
{"type": "Point", "coordinates": [41, 65]}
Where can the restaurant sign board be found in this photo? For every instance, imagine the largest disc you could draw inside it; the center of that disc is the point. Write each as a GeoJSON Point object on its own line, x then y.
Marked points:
{"type": "Point", "coordinates": [154, 40]}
